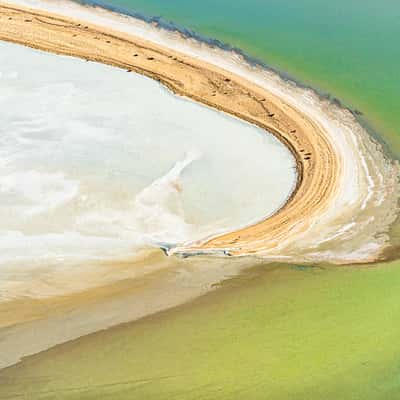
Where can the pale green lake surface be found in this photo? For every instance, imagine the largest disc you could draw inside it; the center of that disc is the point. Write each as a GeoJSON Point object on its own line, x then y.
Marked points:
{"type": "Point", "coordinates": [282, 332]}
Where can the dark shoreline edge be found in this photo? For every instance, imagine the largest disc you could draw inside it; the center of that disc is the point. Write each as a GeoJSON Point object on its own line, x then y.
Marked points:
{"type": "Point", "coordinates": [188, 33]}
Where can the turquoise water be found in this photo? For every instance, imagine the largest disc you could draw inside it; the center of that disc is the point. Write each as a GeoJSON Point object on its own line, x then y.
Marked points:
{"type": "Point", "coordinates": [347, 48]}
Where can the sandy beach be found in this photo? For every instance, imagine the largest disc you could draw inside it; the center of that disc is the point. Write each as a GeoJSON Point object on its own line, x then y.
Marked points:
{"type": "Point", "coordinates": [323, 162]}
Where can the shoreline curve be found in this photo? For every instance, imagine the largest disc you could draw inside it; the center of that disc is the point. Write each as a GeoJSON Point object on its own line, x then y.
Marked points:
{"type": "Point", "coordinates": [321, 167]}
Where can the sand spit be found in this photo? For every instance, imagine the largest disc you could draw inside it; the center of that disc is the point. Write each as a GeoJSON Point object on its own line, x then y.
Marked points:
{"type": "Point", "coordinates": [347, 190]}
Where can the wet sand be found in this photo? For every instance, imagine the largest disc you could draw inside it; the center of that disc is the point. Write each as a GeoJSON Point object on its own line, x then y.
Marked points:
{"type": "Point", "coordinates": [31, 325]}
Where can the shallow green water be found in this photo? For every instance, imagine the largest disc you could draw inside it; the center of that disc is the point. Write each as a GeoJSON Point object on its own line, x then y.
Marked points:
{"type": "Point", "coordinates": [348, 48]}
{"type": "Point", "coordinates": [278, 333]}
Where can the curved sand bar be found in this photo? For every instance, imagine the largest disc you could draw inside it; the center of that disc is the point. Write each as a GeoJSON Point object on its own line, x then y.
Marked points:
{"type": "Point", "coordinates": [321, 167]}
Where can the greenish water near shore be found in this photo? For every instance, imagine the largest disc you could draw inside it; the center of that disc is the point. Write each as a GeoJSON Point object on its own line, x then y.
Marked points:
{"type": "Point", "coordinates": [347, 48]}
{"type": "Point", "coordinates": [276, 333]}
